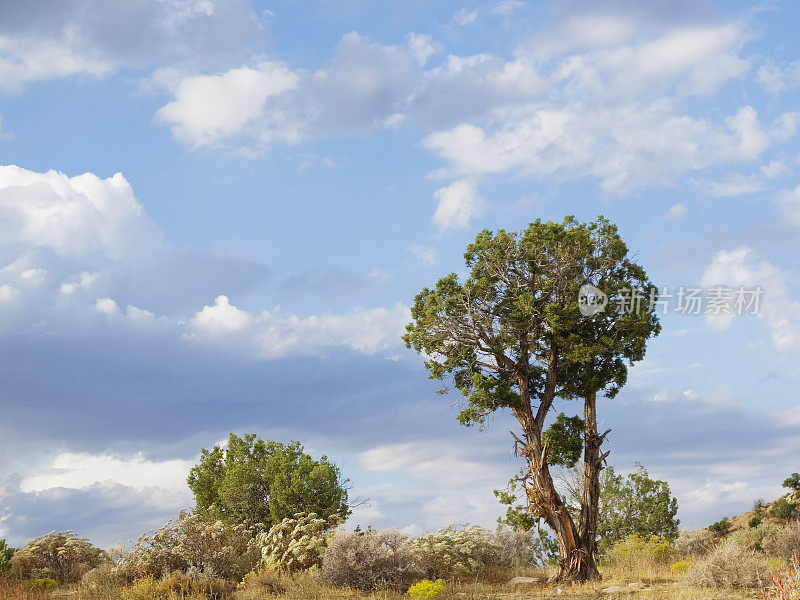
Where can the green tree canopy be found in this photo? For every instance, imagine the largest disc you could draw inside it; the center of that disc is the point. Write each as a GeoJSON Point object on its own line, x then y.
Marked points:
{"type": "Point", "coordinates": [565, 437]}
{"type": "Point", "coordinates": [635, 504]}
{"type": "Point", "coordinates": [255, 481]}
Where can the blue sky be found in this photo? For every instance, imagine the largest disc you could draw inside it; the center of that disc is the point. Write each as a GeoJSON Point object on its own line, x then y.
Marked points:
{"type": "Point", "coordinates": [214, 215]}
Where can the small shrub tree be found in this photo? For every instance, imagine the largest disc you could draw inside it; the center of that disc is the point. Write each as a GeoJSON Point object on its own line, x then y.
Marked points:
{"type": "Point", "coordinates": [62, 556]}
{"type": "Point", "coordinates": [720, 528]}
{"type": "Point", "coordinates": [637, 505]}
{"type": "Point", "coordinates": [793, 483]}
{"type": "Point", "coordinates": [783, 509]}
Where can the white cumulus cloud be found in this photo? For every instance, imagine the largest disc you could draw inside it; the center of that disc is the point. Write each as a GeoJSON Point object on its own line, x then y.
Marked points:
{"type": "Point", "coordinates": [80, 255]}
{"type": "Point", "coordinates": [75, 470]}
{"type": "Point", "coordinates": [459, 204]}
{"type": "Point", "coordinates": [208, 108]}
{"type": "Point", "coordinates": [271, 334]}
{"type": "Point", "coordinates": [741, 268]}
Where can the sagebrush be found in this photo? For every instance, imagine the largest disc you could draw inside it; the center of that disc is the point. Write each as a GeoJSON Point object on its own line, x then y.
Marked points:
{"type": "Point", "coordinates": [371, 560]}
{"type": "Point", "coordinates": [783, 541]}
{"type": "Point", "coordinates": [729, 565]}
{"type": "Point", "coordinates": [694, 542]}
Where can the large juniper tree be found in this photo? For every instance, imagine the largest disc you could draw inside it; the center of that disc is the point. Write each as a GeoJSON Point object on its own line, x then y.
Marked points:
{"type": "Point", "coordinates": [513, 336]}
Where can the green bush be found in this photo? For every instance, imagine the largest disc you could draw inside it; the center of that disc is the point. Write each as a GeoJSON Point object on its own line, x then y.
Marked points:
{"type": "Point", "coordinates": [783, 509]}
{"type": "Point", "coordinates": [62, 556]}
{"type": "Point", "coordinates": [5, 557]}
{"type": "Point", "coordinates": [721, 527]}
{"type": "Point", "coordinates": [212, 548]}
{"type": "Point", "coordinates": [427, 589]}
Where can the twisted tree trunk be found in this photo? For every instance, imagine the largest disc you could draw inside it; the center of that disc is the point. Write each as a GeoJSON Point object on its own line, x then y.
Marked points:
{"type": "Point", "coordinates": [590, 492]}
{"type": "Point", "coordinates": [576, 558]}
{"type": "Point", "coordinates": [576, 552]}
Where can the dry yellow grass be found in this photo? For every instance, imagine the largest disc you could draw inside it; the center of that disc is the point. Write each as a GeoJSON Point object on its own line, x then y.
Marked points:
{"type": "Point", "coordinates": [661, 585]}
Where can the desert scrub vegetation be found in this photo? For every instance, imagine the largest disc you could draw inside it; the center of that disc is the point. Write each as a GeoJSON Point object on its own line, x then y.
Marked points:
{"type": "Point", "coordinates": [729, 565]}
{"type": "Point", "coordinates": [469, 552]}
{"type": "Point", "coordinates": [390, 560]}
{"type": "Point", "coordinates": [785, 585]}
{"type": "Point", "coordinates": [370, 560]}
{"type": "Point", "coordinates": [640, 556]}
{"type": "Point", "coordinates": [296, 543]}
{"type": "Point", "coordinates": [753, 538]}
{"type": "Point", "coordinates": [694, 543]}
{"type": "Point", "coordinates": [783, 509]}
{"type": "Point", "coordinates": [783, 541]}
{"type": "Point", "coordinates": [61, 556]}
{"type": "Point", "coordinates": [177, 585]}
{"type": "Point", "coordinates": [190, 544]}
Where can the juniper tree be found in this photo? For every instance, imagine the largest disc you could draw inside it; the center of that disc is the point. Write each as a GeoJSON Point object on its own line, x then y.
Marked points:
{"type": "Point", "coordinates": [262, 482]}
{"type": "Point", "coordinates": [513, 336]}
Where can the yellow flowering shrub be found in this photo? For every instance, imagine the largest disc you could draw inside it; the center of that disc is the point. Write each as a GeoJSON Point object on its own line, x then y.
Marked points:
{"type": "Point", "coordinates": [680, 567]}
{"type": "Point", "coordinates": [635, 551]}
{"type": "Point", "coordinates": [426, 589]}
{"type": "Point", "coordinates": [43, 583]}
